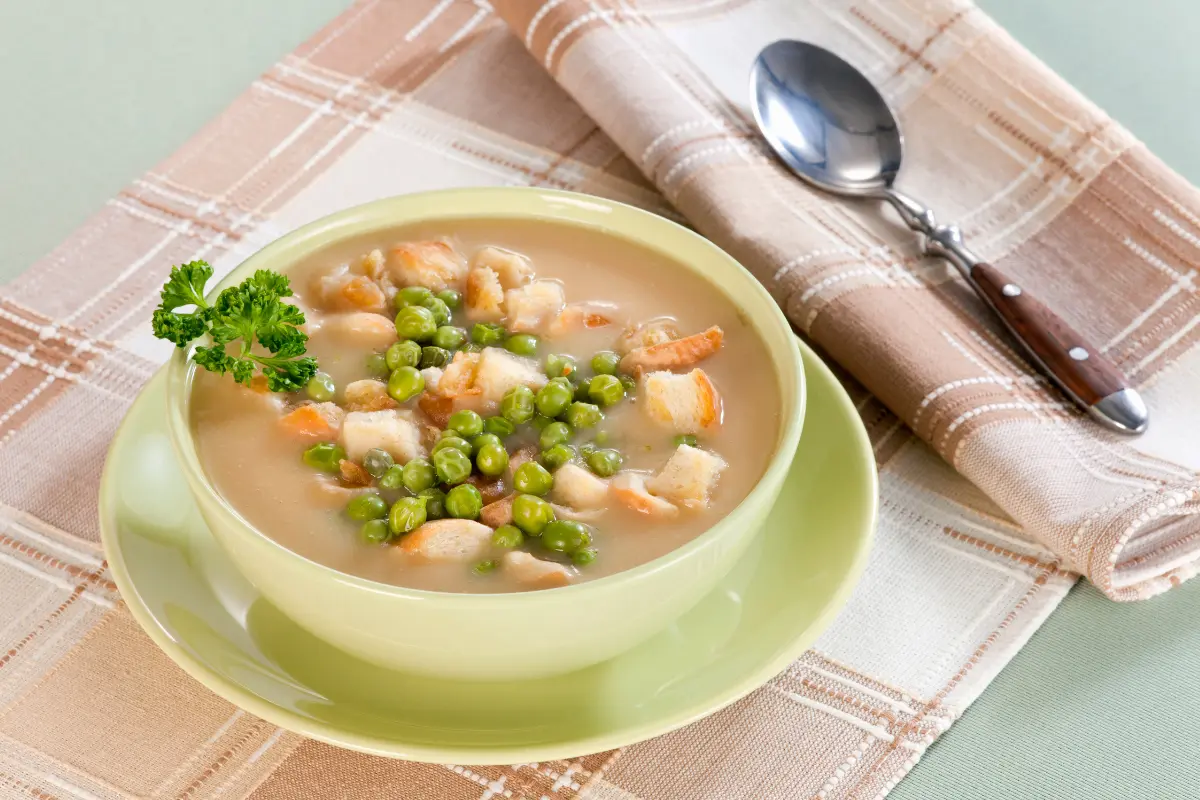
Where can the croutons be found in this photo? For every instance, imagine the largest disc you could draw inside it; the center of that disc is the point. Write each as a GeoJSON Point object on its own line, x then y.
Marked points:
{"type": "Point", "coordinates": [533, 307]}
{"type": "Point", "coordinates": [433, 378]}
{"type": "Point", "coordinates": [629, 489]}
{"type": "Point", "coordinates": [314, 421]}
{"type": "Point", "coordinates": [362, 329]}
{"type": "Point", "coordinates": [347, 291]}
{"type": "Point", "coordinates": [484, 298]}
{"type": "Point", "coordinates": [459, 375]}
{"type": "Point", "coordinates": [448, 540]}
{"type": "Point", "coordinates": [353, 474]}
{"type": "Point", "coordinates": [685, 352]}
{"type": "Point", "coordinates": [372, 265]}
{"type": "Point", "coordinates": [368, 395]}
{"type": "Point", "coordinates": [497, 513]}
{"type": "Point", "coordinates": [574, 486]}
{"type": "Point", "coordinates": [582, 316]}
{"type": "Point", "coordinates": [512, 269]}
{"type": "Point", "coordinates": [684, 403]}
{"type": "Point", "coordinates": [389, 430]}
{"type": "Point", "coordinates": [500, 370]}
{"type": "Point", "coordinates": [688, 478]}
{"type": "Point", "coordinates": [576, 514]}
{"type": "Point", "coordinates": [534, 572]}
{"type": "Point", "coordinates": [434, 265]}
{"type": "Point", "coordinates": [648, 334]}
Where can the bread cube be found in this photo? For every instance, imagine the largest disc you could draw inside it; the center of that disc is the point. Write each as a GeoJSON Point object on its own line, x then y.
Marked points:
{"type": "Point", "coordinates": [484, 298]}
{"type": "Point", "coordinates": [534, 572]}
{"type": "Point", "coordinates": [435, 265]}
{"type": "Point", "coordinates": [389, 430]}
{"type": "Point", "coordinates": [448, 541]}
{"type": "Point", "coordinates": [683, 403]}
{"type": "Point", "coordinates": [533, 307]}
{"type": "Point", "coordinates": [574, 486]}
{"type": "Point", "coordinates": [688, 478]}
{"type": "Point", "coordinates": [500, 370]}
{"type": "Point", "coordinates": [512, 269]}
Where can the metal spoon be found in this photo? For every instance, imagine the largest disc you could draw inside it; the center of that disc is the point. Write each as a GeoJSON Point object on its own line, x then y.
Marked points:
{"type": "Point", "coordinates": [831, 127]}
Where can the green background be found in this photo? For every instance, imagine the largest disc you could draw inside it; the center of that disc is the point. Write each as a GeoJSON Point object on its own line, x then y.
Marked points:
{"type": "Point", "coordinates": [1102, 703]}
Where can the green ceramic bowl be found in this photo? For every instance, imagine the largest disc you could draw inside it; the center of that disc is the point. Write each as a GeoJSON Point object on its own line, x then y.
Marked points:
{"type": "Point", "coordinates": [523, 635]}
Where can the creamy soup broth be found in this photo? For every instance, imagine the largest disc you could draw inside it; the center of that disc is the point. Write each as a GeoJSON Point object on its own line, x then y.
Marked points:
{"type": "Point", "coordinates": [257, 466]}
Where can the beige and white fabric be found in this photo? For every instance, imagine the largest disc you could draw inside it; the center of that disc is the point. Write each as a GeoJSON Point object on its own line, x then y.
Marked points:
{"type": "Point", "coordinates": [403, 95]}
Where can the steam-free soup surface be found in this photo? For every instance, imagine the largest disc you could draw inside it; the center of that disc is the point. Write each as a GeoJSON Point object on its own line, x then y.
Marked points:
{"type": "Point", "coordinates": [684, 385]}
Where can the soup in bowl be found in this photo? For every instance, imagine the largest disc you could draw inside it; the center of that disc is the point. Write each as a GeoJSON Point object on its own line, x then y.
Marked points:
{"type": "Point", "coordinates": [544, 425]}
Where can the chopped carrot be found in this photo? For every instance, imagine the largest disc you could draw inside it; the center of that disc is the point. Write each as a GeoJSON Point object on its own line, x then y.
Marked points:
{"type": "Point", "coordinates": [674, 354]}
{"type": "Point", "coordinates": [310, 422]}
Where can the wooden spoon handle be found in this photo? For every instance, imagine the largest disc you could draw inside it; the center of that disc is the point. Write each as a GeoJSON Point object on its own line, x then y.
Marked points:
{"type": "Point", "coordinates": [1075, 364]}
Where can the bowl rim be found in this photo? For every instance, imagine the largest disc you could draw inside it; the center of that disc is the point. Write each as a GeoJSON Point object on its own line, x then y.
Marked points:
{"type": "Point", "coordinates": [558, 206]}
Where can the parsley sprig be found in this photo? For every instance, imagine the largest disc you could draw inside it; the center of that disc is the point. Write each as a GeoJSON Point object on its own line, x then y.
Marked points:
{"type": "Point", "coordinates": [249, 312]}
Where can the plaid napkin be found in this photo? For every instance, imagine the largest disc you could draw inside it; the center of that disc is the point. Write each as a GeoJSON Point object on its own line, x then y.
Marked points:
{"type": "Point", "coordinates": [404, 95]}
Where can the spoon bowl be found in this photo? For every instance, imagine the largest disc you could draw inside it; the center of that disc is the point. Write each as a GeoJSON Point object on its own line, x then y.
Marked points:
{"type": "Point", "coordinates": [824, 119]}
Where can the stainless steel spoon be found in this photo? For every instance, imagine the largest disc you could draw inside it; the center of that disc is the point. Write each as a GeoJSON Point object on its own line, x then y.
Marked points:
{"type": "Point", "coordinates": [831, 127]}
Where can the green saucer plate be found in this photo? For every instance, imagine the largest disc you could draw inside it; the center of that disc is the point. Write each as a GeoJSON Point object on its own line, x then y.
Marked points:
{"type": "Point", "coordinates": [195, 606]}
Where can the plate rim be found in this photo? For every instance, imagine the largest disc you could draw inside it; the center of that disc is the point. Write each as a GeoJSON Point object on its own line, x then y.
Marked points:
{"type": "Point", "coordinates": [476, 754]}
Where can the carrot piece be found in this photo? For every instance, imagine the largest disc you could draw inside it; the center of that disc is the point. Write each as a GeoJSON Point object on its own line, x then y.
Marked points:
{"type": "Point", "coordinates": [308, 422]}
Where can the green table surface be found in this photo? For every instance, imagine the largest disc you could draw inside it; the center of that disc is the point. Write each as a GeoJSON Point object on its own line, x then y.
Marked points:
{"type": "Point", "coordinates": [1105, 699]}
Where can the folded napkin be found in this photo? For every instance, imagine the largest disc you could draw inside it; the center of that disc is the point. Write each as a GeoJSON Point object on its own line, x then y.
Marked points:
{"type": "Point", "coordinates": [405, 95]}
{"type": "Point", "coordinates": [1044, 186]}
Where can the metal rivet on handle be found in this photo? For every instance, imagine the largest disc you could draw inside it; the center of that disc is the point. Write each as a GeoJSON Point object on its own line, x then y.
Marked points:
{"type": "Point", "coordinates": [1011, 290]}
{"type": "Point", "coordinates": [1078, 353]}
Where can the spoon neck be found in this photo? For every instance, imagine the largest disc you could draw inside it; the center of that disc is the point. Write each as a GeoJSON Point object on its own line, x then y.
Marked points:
{"type": "Point", "coordinates": [940, 240]}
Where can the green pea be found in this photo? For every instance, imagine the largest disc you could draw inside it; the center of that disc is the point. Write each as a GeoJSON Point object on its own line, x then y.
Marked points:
{"type": "Point", "coordinates": [464, 502]}
{"type": "Point", "coordinates": [605, 390]}
{"type": "Point", "coordinates": [492, 459]}
{"type": "Point", "coordinates": [451, 440]}
{"type": "Point", "coordinates": [434, 357]}
{"type": "Point", "coordinates": [403, 354]}
{"type": "Point", "coordinates": [483, 439]}
{"type": "Point", "coordinates": [377, 366]}
{"type": "Point", "coordinates": [508, 536]}
{"type": "Point", "coordinates": [628, 382]}
{"type": "Point", "coordinates": [377, 462]}
{"type": "Point", "coordinates": [393, 478]}
{"type": "Point", "coordinates": [553, 398]}
{"type": "Point", "coordinates": [583, 415]}
{"type": "Point", "coordinates": [540, 421]}
{"type": "Point", "coordinates": [466, 422]}
{"type": "Point", "coordinates": [320, 388]}
{"type": "Point", "coordinates": [601, 438]}
{"type": "Point", "coordinates": [559, 365]}
{"type": "Point", "coordinates": [417, 323]}
{"type": "Point", "coordinates": [486, 334]}
{"type": "Point", "coordinates": [685, 438]}
{"type": "Point", "coordinates": [586, 449]}
{"type": "Point", "coordinates": [531, 514]}
{"type": "Point", "coordinates": [565, 536]}
{"type": "Point", "coordinates": [522, 344]}
{"type": "Point", "coordinates": [517, 405]}
{"type": "Point", "coordinates": [412, 296]}
{"type": "Point", "coordinates": [418, 475]}
{"type": "Point", "coordinates": [581, 391]}
{"type": "Point", "coordinates": [375, 531]}
{"type": "Point", "coordinates": [435, 503]}
{"type": "Point", "coordinates": [324, 456]}
{"type": "Point", "coordinates": [440, 311]}
{"type": "Point", "coordinates": [452, 465]}
{"type": "Point", "coordinates": [405, 384]}
{"type": "Point", "coordinates": [554, 433]}
{"type": "Point", "coordinates": [407, 514]}
{"type": "Point", "coordinates": [532, 478]}
{"type": "Point", "coordinates": [584, 556]}
{"type": "Point", "coordinates": [449, 337]}
{"type": "Point", "coordinates": [451, 298]}
{"type": "Point", "coordinates": [483, 567]}
{"type": "Point", "coordinates": [367, 507]}
{"type": "Point", "coordinates": [498, 426]}
{"type": "Point", "coordinates": [605, 462]}
{"type": "Point", "coordinates": [558, 455]}
{"type": "Point", "coordinates": [605, 362]}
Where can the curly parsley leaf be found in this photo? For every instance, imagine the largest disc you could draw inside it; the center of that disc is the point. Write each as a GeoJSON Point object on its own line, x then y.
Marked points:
{"type": "Point", "coordinates": [250, 312]}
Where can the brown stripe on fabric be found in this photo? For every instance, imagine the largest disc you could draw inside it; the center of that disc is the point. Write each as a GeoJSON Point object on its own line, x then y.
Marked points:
{"type": "Point", "coordinates": [27, 788]}
{"type": "Point", "coordinates": [915, 56]}
{"type": "Point", "coordinates": [74, 571]}
{"type": "Point", "coordinates": [179, 212]}
{"type": "Point", "coordinates": [212, 768]}
{"type": "Point", "coordinates": [1049, 567]}
{"type": "Point", "coordinates": [919, 54]}
{"type": "Point", "coordinates": [844, 701]}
